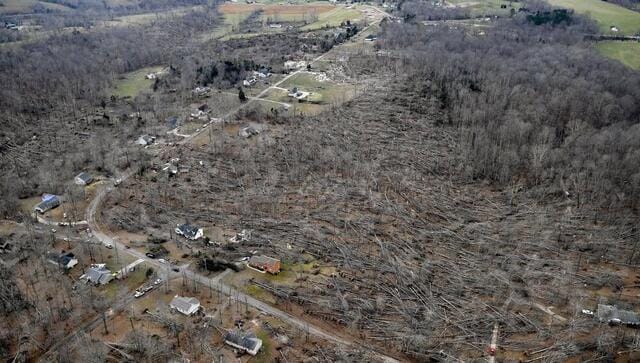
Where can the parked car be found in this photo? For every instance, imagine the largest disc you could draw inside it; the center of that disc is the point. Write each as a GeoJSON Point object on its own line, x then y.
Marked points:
{"type": "Point", "coordinates": [150, 255]}
{"type": "Point", "coordinates": [162, 260]}
{"type": "Point", "coordinates": [138, 294]}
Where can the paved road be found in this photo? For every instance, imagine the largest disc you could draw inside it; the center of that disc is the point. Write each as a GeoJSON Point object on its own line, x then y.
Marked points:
{"type": "Point", "coordinates": [215, 282]}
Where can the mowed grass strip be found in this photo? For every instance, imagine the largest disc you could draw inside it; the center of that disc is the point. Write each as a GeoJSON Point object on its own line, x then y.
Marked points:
{"type": "Point", "coordinates": [606, 14]}
{"type": "Point", "coordinates": [626, 52]}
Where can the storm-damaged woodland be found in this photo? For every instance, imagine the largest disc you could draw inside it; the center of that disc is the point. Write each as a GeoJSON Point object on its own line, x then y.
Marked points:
{"type": "Point", "coordinates": [419, 188]}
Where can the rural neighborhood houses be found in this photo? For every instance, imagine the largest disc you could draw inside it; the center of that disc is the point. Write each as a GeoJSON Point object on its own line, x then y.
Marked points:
{"type": "Point", "coordinates": [185, 305]}
{"type": "Point", "coordinates": [83, 178]}
{"type": "Point", "coordinates": [98, 274]}
{"type": "Point", "coordinates": [48, 203]}
{"type": "Point", "coordinates": [189, 232]}
{"type": "Point", "coordinates": [265, 263]}
{"type": "Point", "coordinates": [245, 342]}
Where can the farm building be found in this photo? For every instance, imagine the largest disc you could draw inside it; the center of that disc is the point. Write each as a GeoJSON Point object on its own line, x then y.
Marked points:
{"type": "Point", "coordinates": [185, 305]}
{"type": "Point", "coordinates": [48, 203]}
{"type": "Point", "coordinates": [83, 178]}
{"type": "Point", "coordinates": [246, 342]}
{"type": "Point", "coordinates": [265, 263]}
{"type": "Point", "coordinates": [189, 232]}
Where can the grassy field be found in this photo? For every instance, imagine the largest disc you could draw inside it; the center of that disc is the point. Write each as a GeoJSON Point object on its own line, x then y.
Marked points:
{"type": "Point", "coordinates": [486, 7]}
{"type": "Point", "coordinates": [235, 13]}
{"type": "Point", "coordinates": [26, 6]}
{"type": "Point", "coordinates": [334, 18]}
{"type": "Point", "coordinates": [606, 14]}
{"type": "Point", "coordinates": [626, 52]}
{"type": "Point", "coordinates": [133, 83]}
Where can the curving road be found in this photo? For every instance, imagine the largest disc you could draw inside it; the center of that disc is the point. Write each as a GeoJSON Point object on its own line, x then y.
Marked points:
{"type": "Point", "coordinates": [215, 282]}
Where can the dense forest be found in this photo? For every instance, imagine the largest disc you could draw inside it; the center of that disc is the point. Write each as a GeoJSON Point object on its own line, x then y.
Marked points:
{"type": "Point", "coordinates": [538, 108]}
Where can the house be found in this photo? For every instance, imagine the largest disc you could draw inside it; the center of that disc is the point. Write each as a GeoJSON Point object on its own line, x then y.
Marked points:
{"type": "Point", "coordinates": [246, 342]}
{"type": "Point", "coordinates": [145, 140]}
{"type": "Point", "coordinates": [48, 202]}
{"type": "Point", "coordinates": [265, 263]}
{"type": "Point", "coordinates": [247, 132]}
{"type": "Point", "coordinates": [249, 82]}
{"type": "Point", "coordinates": [66, 261]}
{"type": "Point", "coordinates": [83, 178]}
{"type": "Point", "coordinates": [612, 315]}
{"type": "Point", "coordinates": [186, 305]}
{"type": "Point", "coordinates": [98, 274]}
{"type": "Point", "coordinates": [189, 232]}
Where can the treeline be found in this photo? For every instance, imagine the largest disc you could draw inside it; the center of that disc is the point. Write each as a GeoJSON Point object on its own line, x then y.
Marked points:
{"type": "Point", "coordinates": [533, 105]}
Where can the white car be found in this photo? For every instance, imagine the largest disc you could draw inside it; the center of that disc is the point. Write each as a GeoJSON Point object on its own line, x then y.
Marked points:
{"type": "Point", "coordinates": [138, 294]}
{"type": "Point", "coordinates": [162, 260]}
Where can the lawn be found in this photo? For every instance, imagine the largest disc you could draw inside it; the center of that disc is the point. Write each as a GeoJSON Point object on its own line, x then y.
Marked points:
{"type": "Point", "coordinates": [334, 18]}
{"type": "Point", "coordinates": [486, 7]}
{"type": "Point", "coordinates": [606, 14]}
{"type": "Point", "coordinates": [131, 84]}
{"type": "Point", "coordinates": [625, 52]}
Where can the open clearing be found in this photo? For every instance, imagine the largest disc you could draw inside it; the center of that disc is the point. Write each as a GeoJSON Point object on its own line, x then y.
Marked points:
{"type": "Point", "coordinates": [27, 6]}
{"type": "Point", "coordinates": [625, 52]}
{"type": "Point", "coordinates": [131, 84]}
{"type": "Point", "coordinates": [485, 7]}
{"type": "Point", "coordinates": [606, 14]}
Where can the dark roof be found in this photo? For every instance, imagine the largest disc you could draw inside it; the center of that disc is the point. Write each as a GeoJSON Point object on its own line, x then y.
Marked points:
{"type": "Point", "coordinates": [188, 230]}
{"type": "Point", "coordinates": [85, 177]}
{"type": "Point", "coordinates": [246, 340]}
{"type": "Point", "coordinates": [48, 204]}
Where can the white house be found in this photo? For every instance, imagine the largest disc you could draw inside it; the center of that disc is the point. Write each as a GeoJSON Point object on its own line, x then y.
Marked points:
{"type": "Point", "coordinates": [185, 305]}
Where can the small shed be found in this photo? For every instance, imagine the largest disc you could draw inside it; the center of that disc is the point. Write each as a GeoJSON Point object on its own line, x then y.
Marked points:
{"type": "Point", "coordinates": [265, 263]}
{"type": "Point", "coordinates": [185, 305]}
{"type": "Point", "coordinates": [83, 178]}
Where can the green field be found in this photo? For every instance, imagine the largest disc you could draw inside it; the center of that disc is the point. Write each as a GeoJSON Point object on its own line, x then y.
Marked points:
{"type": "Point", "coordinates": [334, 18]}
{"type": "Point", "coordinates": [486, 7]}
{"type": "Point", "coordinates": [606, 14]}
{"type": "Point", "coordinates": [133, 83]}
{"type": "Point", "coordinates": [626, 52]}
